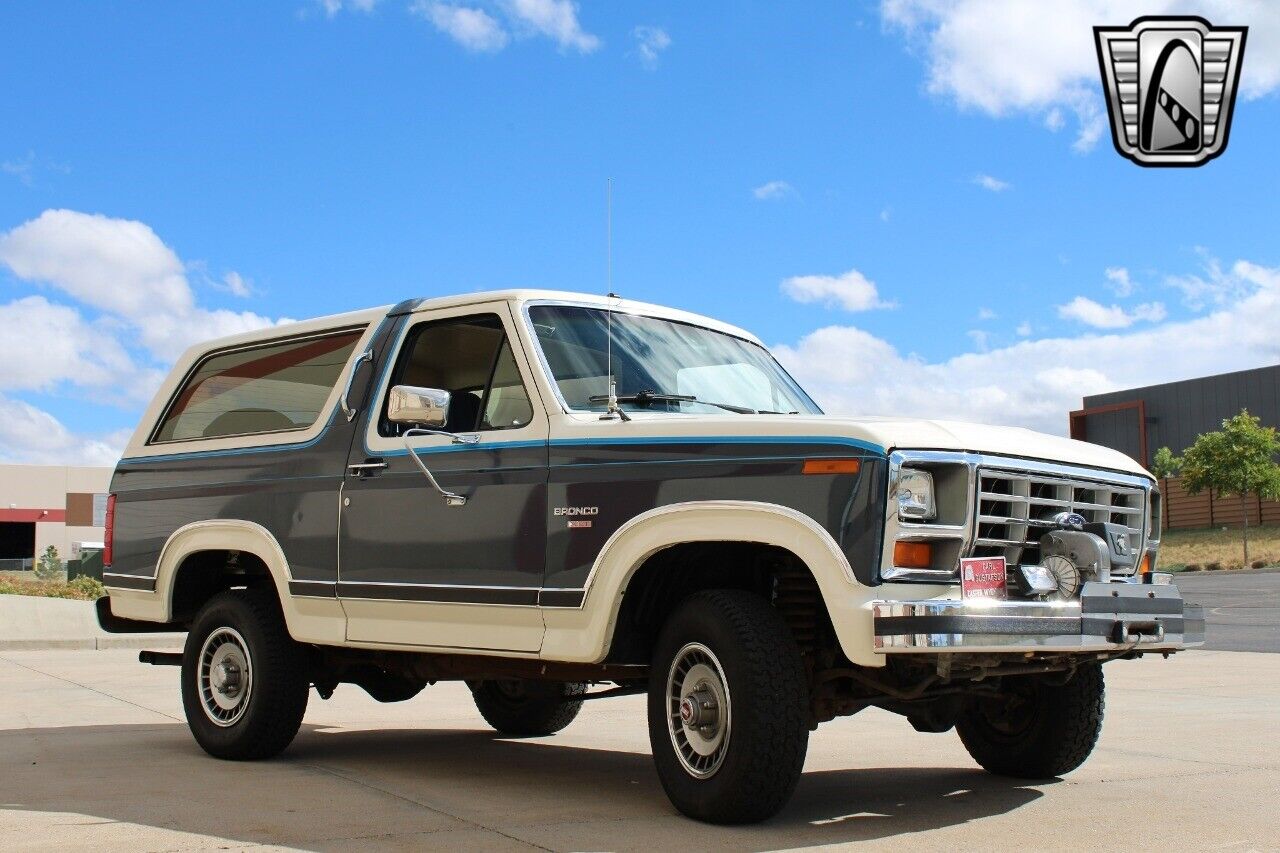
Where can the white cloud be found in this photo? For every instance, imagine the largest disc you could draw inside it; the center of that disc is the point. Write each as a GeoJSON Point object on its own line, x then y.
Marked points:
{"type": "Point", "coordinates": [121, 267]}
{"type": "Point", "coordinates": [556, 19]}
{"type": "Point", "coordinates": [851, 291]}
{"type": "Point", "coordinates": [1034, 383]}
{"type": "Point", "coordinates": [332, 7]}
{"type": "Point", "coordinates": [1024, 329]}
{"type": "Point", "coordinates": [477, 30]}
{"type": "Point", "coordinates": [650, 43]}
{"type": "Point", "coordinates": [987, 314]}
{"type": "Point", "coordinates": [1084, 310]}
{"type": "Point", "coordinates": [991, 184]}
{"type": "Point", "coordinates": [884, 215]}
{"type": "Point", "coordinates": [237, 285]}
{"type": "Point", "coordinates": [474, 29]}
{"type": "Point", "coordinates": [1121, 283]}
{"type": "Point", "coordinates": [1214, 287]}
{"type": "Point", "coordinates": [32, 435]}
{"type": "Point", "coordinates": [773, 190]}
{"type": "Point", "coordinates": [134, 312]}
{"type": "Point", "coordinates": [1007, 57]}
{"type": "Point", "coordinates": [47, 344]}
{"type": "Point", "coordinates": [23, 169]}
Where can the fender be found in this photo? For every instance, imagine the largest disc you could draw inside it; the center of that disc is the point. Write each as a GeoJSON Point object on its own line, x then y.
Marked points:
{"type": "Point", "coordinates": [585, 634]}
{"type": "Point", "coordinates": [310, 620]}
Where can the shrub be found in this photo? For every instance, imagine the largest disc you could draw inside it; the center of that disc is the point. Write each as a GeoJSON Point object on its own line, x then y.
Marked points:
{"type": "Point", "coordinates": [1214, 567]}
{"type": "Point", "coordinates": [91, 588]}
{"type": "Point", "coordinates": [49, 566]}
{"type": "Point", "coordinates": [1258, 564]}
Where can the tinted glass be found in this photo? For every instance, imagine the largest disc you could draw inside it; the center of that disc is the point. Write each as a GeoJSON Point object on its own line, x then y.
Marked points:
{"type": "Point", "coordinates": [271, 388]}
{"type": "Point", "coordinates": [661, 357]}
{"type": "Point", "coordinates": [471, 359]}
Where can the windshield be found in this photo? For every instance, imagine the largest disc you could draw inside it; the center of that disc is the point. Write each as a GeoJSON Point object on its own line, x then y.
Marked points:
{"type": "Point", "coordinates": [654, 357]}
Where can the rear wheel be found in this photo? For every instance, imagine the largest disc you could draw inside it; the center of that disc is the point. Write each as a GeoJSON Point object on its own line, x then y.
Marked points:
{"type": "Point", "coordinates": [244, 679]}
{"type": "Point", "coordinates": [523, 708]}
{"type": "Point", "coordinates": [1034, 728]}
{"type": "Point", "coordinates": [728, 719]}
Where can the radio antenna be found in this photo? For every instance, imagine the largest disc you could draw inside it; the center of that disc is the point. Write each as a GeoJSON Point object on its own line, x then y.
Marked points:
{"type": "Point", "coordinates": [612, 409]}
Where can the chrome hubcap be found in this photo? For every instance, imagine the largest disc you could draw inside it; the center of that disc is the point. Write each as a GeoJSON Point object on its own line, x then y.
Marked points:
{"type": "Point", "coordinates": [699, 714]}
{"type": "Point", "coordinates": [225, 676]}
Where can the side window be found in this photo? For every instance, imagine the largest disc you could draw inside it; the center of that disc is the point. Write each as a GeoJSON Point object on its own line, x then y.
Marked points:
{"type": "Point", "coordinates": [471, 358]}
{"type": "Point", "coordinates": [276, 387]}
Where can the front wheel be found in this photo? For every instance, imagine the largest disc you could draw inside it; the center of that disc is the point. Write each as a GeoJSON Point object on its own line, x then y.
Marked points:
{"type": "Point", "coordinates": [728, 715]}
{"type": "Point", "coordinates": [1035, 728]}
{"type": "Point", "coordinates": [244, 679]}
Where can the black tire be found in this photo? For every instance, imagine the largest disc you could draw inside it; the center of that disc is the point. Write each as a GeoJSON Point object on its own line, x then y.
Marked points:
{"type": "Point", "coordinates": [1036, 729]}
{"type": "Point", "coordinates": [753, 771]}
{"type": "Point", "coordinates": [522, 708]}
{"type": "Point", "coordinates": [269, 711]}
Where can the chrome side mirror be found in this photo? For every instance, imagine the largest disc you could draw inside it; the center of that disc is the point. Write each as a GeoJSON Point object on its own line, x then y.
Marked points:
{"type": "Point", "coordinates": [420, 407]}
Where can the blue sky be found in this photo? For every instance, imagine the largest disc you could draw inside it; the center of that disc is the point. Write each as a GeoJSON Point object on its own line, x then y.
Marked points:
{"type": "Point", "coordinates": [969, 243]}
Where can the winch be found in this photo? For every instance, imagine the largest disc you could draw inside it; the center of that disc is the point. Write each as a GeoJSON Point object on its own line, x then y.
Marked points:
{"type": "Point", "coordinates": [1077, 551]}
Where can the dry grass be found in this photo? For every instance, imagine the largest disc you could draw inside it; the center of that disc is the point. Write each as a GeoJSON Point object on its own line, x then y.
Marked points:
{"type": "Point", "coordinates": [80, 589]}
{"type": "Point", "coordinates": [1218, 547]}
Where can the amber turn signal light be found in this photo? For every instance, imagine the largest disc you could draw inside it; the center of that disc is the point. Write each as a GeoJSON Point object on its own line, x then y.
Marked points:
{"type": "Point", "coordinates": [912, 555]}
{"type": "Point", "coordinates": [1144, 568]}
{"type": "Point", "coordinates": [832, 466]}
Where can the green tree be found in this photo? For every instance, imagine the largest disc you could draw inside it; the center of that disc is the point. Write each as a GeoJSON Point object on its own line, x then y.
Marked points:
{"type": "Point", "coordinates": [49, 566]}
{"type": "Point", "coordinates": [1239, 459]}
{"type": "Point", "coordinates": [1165, 463]}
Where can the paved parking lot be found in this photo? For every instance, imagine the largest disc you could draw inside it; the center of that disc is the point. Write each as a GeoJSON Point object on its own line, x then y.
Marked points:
{"type": "Point", "coordinates": [94, 755]}
{"type": "Point", "coordinates": [1241, 609]}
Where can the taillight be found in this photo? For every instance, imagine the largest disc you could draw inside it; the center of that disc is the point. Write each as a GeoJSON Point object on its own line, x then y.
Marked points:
{"type": "Point", "coordinates": [109, 534]}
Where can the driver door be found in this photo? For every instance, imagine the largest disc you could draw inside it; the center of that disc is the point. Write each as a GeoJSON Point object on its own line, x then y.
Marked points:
{"type": "Point", "coordinates": [413, 569]}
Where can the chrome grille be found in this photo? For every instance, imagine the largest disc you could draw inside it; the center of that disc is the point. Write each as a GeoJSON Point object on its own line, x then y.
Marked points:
{"type": "Point", "coordinates": [1015, 509]}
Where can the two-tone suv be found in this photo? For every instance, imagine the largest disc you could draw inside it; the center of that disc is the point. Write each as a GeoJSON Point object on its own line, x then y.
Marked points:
{"type": "Point", "coordinates": [559, 497]}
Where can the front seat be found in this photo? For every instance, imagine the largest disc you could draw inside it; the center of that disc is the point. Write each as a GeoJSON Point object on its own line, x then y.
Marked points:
{"type": "Point", "coordinates": [464, 412]}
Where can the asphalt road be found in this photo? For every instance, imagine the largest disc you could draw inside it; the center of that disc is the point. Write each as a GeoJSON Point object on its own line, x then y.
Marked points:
{"type": "Point", "coordinates": [94, 755]}
{"type": "Point", "coordinates": [1242, 609]}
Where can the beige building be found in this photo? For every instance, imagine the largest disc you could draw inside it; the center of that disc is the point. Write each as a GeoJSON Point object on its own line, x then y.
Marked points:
{"type": "Point", "coordinates": [42, 505]}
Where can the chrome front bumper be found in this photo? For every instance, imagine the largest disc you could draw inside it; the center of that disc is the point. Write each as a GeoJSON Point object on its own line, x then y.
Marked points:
{"type": "Point", "coordinates": [1108, 617]}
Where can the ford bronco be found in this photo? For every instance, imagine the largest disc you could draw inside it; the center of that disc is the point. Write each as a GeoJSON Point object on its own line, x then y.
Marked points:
{"type": "Point", "coordinates": [557, 498]}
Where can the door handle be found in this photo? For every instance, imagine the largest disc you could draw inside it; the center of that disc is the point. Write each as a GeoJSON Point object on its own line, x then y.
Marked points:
{"type": "Point", "coordinates": [361, 469]}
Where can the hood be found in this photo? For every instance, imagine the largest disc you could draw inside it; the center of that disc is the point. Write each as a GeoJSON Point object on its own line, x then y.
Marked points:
{"type": "Point", "coordinates": [922, 434]}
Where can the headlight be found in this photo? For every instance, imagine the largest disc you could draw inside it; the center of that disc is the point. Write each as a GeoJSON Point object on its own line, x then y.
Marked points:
{"type": "Point", "coordinates": [915, 495]}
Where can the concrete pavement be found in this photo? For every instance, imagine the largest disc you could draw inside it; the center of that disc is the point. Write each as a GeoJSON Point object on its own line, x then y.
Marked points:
{"type": "Point", "coordinates": [31, 622]}
{"type": "Point", "coordinates": [1241, 609]}
{"type": "Point", "coordinates": [94, 755]}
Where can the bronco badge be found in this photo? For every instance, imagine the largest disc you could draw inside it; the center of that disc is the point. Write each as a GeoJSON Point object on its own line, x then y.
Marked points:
{"type": "Point", "coordinates": [1170, 85]}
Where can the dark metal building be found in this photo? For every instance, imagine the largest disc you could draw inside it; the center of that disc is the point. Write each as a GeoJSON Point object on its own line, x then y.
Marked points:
{"type": "Point", "coordinates": [1140, 420]}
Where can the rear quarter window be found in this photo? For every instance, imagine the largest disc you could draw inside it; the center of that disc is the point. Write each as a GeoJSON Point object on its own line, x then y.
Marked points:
{"type": "Point", "coordinates": [273, 387]}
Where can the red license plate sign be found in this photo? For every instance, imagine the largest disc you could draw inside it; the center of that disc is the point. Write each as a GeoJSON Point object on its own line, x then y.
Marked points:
{"type": "Point", "coordinates": [982, 577]}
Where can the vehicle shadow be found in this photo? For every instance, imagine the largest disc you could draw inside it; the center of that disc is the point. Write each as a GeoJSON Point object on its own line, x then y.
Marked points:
{"type": "Point", "coordinates": [336, 787]}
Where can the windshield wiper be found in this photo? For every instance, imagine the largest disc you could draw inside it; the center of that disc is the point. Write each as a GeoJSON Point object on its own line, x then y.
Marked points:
{"type": "Point", "coordinates": [646, 398]}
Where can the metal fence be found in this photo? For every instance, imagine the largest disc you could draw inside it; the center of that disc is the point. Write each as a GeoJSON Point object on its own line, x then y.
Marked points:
{"type": "Point", "coordinates": [17, 564]}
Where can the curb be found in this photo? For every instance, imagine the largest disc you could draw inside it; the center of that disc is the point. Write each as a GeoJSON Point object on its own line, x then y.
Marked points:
{"type": "Point", "coordinates": [130, 641]}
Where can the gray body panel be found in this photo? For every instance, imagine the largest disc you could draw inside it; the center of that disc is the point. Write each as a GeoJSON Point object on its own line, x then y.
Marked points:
{"type": "Point", "coordinates": [396, 539]}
